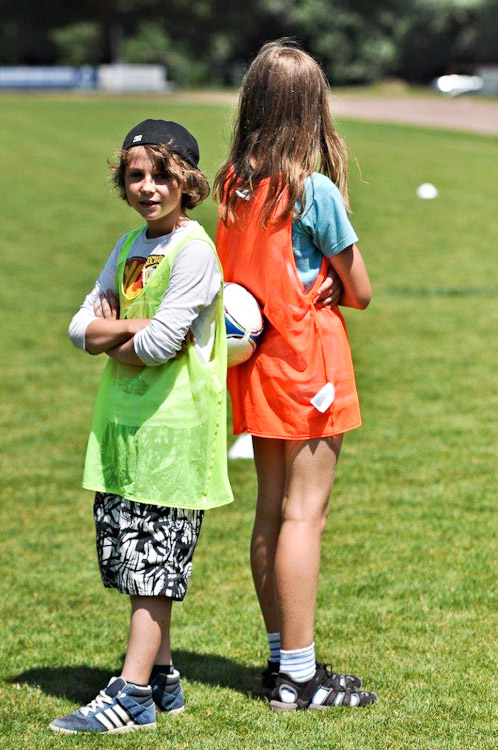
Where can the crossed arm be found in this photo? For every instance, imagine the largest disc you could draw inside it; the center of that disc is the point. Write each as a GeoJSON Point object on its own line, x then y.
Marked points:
{"type": "Point", "coordinates": [347, 284]}
{"type": "Point", "coordinates": [347, 281]}
{"type": "Point", "coordinates": [111, 335]}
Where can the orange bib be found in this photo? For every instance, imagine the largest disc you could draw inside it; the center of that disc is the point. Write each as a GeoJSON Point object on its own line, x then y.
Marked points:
{"type": "Point", "coordinates": [303, 346]}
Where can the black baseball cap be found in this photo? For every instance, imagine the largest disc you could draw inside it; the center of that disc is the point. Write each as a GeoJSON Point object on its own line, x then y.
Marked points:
{"type": "Point", "coordinates": [164, 133]}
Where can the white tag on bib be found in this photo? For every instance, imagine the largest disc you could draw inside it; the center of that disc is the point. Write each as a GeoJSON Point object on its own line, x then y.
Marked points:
{"type": "Point", "coordinates": [324, 398]}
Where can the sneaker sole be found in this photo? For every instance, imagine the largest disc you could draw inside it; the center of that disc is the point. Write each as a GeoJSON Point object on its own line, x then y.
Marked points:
{"type": "Point", "coordinates": [171, 712]}
{"type": "Point", "coordinates": [325, 708]}
{"type": "Point", "coordinates": [281, 708]}
{"type": "Point", "coordinates": [117, 730]}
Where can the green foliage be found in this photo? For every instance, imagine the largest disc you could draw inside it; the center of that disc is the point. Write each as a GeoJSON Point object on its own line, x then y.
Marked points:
{"type": "Point", "coordinates": [487, 33]}
{"type": "Point", "coordinates": [77, 44]}
{"type": "Point", "coordinates": [153, 44]}
{"type": "Point", "coordinates": [353, 44]}
{"type": "Point", "coordinates": [408, 593]}
{"type": "Point", "coordinates": [211, 41]}
{"type": "Point", "coordinates": [438, 35]}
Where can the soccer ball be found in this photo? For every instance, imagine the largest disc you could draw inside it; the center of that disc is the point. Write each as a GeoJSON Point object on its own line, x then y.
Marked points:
{"type": "Point", "coordinates": [427, 191]}
{"type": "Point", "coordinates": [243, 321]}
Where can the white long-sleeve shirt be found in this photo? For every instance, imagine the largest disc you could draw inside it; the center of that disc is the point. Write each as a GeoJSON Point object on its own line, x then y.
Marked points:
{"type": "Point", "coordinates": [187, 304]}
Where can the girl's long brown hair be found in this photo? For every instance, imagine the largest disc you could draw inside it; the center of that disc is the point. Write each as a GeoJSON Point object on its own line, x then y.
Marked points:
{"type": "Point", "coordinates": [284, 132]}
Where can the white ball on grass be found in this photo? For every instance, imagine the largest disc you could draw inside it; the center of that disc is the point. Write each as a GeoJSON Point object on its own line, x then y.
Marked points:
{"type": "Point", "coordinates": [427, 191]}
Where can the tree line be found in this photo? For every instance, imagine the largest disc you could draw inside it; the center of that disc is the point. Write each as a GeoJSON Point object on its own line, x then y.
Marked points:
{"type": "Point", "coordinates": [208, 42]}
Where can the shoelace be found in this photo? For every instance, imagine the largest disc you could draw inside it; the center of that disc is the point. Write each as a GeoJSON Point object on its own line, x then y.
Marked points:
{"type": "Point", "coordinates": [98, 702]}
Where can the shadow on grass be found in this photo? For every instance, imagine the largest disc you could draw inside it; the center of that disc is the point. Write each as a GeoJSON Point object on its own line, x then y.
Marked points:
{"type": "Point", "coordinates": [220, 671]}
{"type": "Point", "coordinates": [81, 684]}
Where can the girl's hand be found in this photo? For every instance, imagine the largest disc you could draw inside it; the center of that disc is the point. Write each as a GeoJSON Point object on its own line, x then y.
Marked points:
{"type": "Point", "coordinates": [330, 291]}
{"type": "Point", "coordinates": [107, 306]}
{"type": "Point", "coordinates": [351, 269]}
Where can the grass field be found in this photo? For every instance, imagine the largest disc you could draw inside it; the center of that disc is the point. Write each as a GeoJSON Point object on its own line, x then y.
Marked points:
{"type": "Point", "coordinates": [408, 595]}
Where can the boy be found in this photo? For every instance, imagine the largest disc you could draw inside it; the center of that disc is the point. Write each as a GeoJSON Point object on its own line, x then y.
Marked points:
{"type": "Point", "coordinates": [156, 455]}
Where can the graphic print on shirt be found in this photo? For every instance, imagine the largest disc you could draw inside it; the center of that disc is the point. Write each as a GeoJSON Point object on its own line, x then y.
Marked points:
{"type": "Point", "coordinates": [137, 272]}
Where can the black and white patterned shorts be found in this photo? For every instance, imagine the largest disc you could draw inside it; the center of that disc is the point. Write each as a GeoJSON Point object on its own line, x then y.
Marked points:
{"type": "Point", "coordinates": [143, 549]}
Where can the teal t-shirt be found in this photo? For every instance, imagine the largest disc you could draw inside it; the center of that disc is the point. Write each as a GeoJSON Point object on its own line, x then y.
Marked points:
{"type": "Point", "coordinates": [323, 228]}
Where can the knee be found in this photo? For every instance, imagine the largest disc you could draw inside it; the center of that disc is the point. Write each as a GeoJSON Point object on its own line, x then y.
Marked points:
{"type": "Point", "coordinates": [323, 521]}
{"type": "Point", "coordinates": [312, 511]}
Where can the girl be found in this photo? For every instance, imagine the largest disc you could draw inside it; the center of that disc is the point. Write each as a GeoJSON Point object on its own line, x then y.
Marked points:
{"type": "Point", "coordinates": [282, 225]}
{"type": "Point", "coordinates": [157, 449]}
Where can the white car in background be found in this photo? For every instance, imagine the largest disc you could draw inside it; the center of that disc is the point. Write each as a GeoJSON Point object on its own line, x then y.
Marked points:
{"type": "Point", "coordinates": [455, 84]}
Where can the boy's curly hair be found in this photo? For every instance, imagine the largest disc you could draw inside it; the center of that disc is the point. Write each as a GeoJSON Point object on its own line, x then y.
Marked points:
{"type": "Point", "coordinates": [195, 187]}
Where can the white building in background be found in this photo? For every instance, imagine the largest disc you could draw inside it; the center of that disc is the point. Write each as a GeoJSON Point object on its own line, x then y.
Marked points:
{"type": "Point", "coordinates": [123, 77]}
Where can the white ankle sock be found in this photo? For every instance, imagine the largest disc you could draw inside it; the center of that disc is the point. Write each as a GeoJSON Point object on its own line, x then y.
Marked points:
{"type": "Point", "coordinates": [274, 645]}
{"type": "Point", "coordinates": [299, 664]}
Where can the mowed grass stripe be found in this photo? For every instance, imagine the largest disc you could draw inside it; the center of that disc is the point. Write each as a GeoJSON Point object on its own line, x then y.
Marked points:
{"type": "Point", "coordinates": [408, 593]}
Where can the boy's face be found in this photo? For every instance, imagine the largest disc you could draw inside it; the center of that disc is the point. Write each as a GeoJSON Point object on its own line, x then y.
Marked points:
{"type": "Point", "coordinates": [155, 196]}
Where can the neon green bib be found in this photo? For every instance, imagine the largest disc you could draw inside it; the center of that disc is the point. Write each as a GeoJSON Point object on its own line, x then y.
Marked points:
{"type": "Point", "coordinates": [158, 433]}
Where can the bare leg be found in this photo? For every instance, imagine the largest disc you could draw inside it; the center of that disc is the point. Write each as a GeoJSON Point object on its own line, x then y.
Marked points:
{"type": "Point", "coordinates": [148, 642]}
{"type": "Point", "coordinates": [310, 467]}
{"type": "Point", "coordinates": [269, 456]}
{"type": "Point", "coordinates": [163, 656]}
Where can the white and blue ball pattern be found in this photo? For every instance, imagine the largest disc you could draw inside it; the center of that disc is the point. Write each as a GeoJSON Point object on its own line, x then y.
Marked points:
{"type": "Point", "coordinates": [243, 321]}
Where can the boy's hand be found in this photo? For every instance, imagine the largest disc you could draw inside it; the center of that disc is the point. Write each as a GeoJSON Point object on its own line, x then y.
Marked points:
{"type": "Point", "coordinates": [189, 339]}
{"type": "Point", "coordinates": [330, 291]}
{"type": "Point", "coordinates": [107, 306]}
